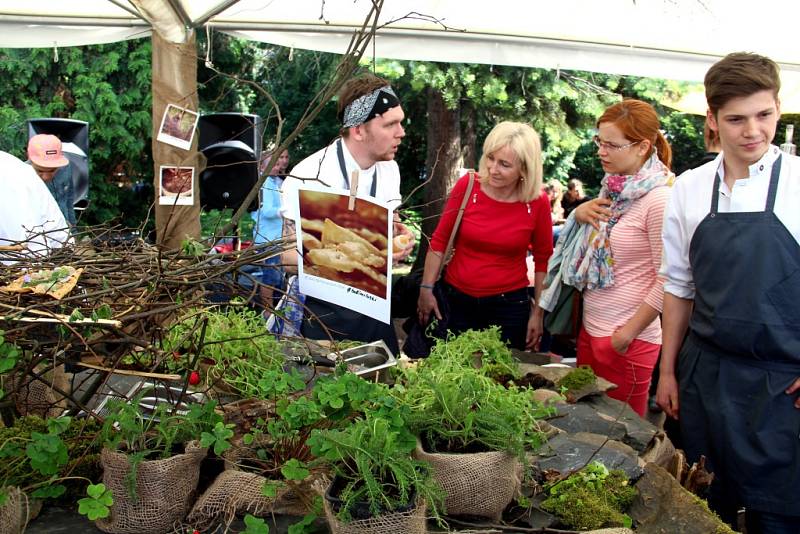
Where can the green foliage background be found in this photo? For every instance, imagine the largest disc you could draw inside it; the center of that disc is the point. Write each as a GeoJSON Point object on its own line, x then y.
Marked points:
{"type": "Point", "coordinates": [106, 85]}
{"type": "Point", "coordinates": [109, 86]}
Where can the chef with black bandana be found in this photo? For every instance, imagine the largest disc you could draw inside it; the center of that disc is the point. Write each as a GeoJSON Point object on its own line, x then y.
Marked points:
{"type": "Point", "coordinates": [371, 133]}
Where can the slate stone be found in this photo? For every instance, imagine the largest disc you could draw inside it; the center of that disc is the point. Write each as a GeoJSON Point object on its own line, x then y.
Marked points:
{"type": "Point", "coordinates": [638, 431]}
{"type": "Point", "coordinates": [664, 506]}
{"type": "Point", "coordinates": [567, 453]}
{"type": "Point", "coordinates": [582, 417]}
{"type": "Point", "coordinates": [554, 374]}
{"type": "Point", "coordinates": [546, 396]}
{"type": "Point", "coordinates": [535, 358]}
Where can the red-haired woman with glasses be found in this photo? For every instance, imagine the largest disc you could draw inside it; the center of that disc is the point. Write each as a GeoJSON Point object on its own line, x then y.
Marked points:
{"type": "Point", "coordinates": [621, 333]}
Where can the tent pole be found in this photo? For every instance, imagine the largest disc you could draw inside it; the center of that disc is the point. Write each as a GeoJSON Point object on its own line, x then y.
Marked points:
{"type": "Point", "coordinates": [175, 82]}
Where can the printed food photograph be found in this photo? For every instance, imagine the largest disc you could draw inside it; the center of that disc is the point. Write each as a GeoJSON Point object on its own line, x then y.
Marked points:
{"type": "Point", "coordinates": [176, 180]}
{"type": "Point", "coordinates": [346, 246]}
{"type": "Point", "coordinates": [179, 123]}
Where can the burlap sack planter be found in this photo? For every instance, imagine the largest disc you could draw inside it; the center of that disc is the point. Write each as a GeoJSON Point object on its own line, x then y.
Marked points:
{"type": "Point", "coordinates": [36, 397]}
{"type": "Point", "coordinates": [14, 512]}
{"type": "Point", "coordinates": [164, 491]}
{"type": "Point", "coordinates": [409, 520]}
{"type": "Point", "coordinates": [479, 484]}
{"type": "Point", "coordinates": [238, 493]}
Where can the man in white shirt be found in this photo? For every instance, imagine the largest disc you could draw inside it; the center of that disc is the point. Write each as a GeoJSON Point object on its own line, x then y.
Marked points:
{"type": "Point", "coordinates": [371, 133]}
{"type": "Point", "coordinates": [29, 215]}
{"type": "Point", "coordinates": [732, 269]}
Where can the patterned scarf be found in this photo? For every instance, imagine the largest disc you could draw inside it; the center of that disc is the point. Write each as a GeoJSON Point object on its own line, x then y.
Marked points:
{"type": "Point", "coordinates": [591, 264]}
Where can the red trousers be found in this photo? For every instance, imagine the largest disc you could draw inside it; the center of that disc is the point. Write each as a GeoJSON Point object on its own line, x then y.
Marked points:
{"type": "Point", "coordinates": [631, 371]}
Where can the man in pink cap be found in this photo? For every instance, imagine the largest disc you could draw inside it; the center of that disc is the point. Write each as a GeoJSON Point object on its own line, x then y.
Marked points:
{"type": "Point", "coordinates": [29, 215]}
{"type": "Point", "coordinates": [48, 160]}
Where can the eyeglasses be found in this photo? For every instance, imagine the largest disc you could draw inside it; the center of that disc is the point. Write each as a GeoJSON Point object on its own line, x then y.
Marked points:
{"type": "Point", "coordinates": [612, 146]}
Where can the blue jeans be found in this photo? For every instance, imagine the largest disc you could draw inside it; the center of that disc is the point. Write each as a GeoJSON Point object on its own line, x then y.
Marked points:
{"type": "Point", "coordinates": [272, 273]}
{"type": "Point", "coordinates": [510, 311]}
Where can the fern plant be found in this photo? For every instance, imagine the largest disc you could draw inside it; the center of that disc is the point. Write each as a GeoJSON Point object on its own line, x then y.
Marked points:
{"type": "Point", "coordinates": [481, 349]}
{"type": "Point", "coordinates": [372, 462]}
{"type": "Point", "coordinates": [459, 409]}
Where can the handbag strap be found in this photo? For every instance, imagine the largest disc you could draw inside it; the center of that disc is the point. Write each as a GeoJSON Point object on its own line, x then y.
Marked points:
{"type": "Point", "coordinates": [454, 231]}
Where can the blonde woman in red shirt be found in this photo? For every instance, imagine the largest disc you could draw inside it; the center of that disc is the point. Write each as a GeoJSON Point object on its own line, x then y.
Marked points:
{"type": "Point", "coordinates": [507, 214]}
{"type": "Point", "coordinates": [621, 333]}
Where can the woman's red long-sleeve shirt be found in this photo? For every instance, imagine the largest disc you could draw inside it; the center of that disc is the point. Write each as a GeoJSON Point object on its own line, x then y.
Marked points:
{"type": "Point", "coordinates": [493, 240]}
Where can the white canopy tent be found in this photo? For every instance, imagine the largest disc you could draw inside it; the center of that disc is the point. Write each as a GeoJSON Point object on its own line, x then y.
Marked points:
{"type": "Point", "coordinates": [675, 39]}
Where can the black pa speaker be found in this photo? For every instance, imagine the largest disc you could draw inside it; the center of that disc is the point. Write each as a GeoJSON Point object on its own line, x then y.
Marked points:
{"type": "Point", "coordinates": [231, 143]}
{"type": "Point", "coordinates": [74, 136]}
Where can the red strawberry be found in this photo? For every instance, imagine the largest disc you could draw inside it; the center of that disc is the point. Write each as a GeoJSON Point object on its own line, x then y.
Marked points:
{"type": "Point", "coordinates": [194, 378]}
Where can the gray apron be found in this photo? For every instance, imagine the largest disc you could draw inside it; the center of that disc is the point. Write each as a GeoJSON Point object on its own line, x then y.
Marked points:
{"type": "Point", "coordinates": [742, 352]}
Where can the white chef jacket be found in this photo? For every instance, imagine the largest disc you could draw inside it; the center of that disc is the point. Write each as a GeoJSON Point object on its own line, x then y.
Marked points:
{"type": "Point", "coordinates": [28, 211]}
{"type": "Point", "coordinates": [691, 202]}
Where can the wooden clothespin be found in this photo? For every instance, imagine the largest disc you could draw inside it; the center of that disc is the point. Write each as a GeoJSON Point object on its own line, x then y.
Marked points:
{"type": "Point", "coordinates": [351, 204]}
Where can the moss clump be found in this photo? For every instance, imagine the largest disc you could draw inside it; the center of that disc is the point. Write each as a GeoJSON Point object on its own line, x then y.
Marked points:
{"type": "Point", "coordinates": [723, 527]}
{"type": "Point", "coordinates": [592, 498]}
{"type": "Point", "coordinates": [577, 379]}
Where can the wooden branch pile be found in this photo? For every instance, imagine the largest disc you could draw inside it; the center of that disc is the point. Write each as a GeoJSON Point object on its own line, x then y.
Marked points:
{"type": "Point", "coordinates": [128, 295]}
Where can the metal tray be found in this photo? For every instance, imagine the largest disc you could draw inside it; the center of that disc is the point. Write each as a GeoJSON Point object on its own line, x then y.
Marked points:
{"type": "Point", "coordinates": [371, 361]}
{"type": "Point", "coordinates": [153, 394]}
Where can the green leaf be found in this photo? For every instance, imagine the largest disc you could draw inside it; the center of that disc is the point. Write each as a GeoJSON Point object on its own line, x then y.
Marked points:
{"type": "Point", "coordinates": [270, 488]}
{"type": "Point", "coordinates": [294, 469]}
{"type": "Point", "coordinates": [101, 494]}
{"type": "Point", "coordinates": [97, 504]}
{"type": "Point", "coordinates": [304, 526]}
{"type": "Point", "coordinates": [92, 509]}
{"type": "Point", "coordinates": [103, 312]}
{"type": "Point", "coordinates": [255, 525]}
{"type": "Point", "coordinates": [9, 356]}
{"type": "Point", "coordinates": [219, 437]}
{"type": "Point", "coordinates": [57, 425]}
{"type": "Point", "coordinates": [50, 492]}
{"type": "Point", "coordinates": [46, 453]}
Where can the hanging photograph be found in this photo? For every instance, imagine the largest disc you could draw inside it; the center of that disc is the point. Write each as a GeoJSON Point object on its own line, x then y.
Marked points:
{"type": "Point", "coordinates": [346, 254]}
{"type": "Point", "coordinates": [178, 126]}
{"type": "Point", "coordinates": [176, 186]}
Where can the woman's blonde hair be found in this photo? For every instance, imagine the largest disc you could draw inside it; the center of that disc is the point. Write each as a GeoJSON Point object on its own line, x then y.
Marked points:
{"type": "Point", "coordinates": [557, 188]}
{"type": "Point", "coordinates": [524, 142]}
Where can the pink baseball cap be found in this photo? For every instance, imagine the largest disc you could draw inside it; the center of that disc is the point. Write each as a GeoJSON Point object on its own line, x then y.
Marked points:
{"type": "Point", "coordinates": [45, 151]}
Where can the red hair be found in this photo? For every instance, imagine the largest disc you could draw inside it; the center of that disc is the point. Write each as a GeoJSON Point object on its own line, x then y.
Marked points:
{"type": "Point", "coordinates": [638, 121]}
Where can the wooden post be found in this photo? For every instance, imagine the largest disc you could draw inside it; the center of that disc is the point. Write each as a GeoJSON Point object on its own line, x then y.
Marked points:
{"type": "Point", "coordinates": [175, 82]}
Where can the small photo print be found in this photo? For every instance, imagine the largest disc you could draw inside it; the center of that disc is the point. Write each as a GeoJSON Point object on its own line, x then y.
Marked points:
{"type": "Point", "coordinates": [176, 186]}
{"type": "Point", "coordinates": [178, 126]}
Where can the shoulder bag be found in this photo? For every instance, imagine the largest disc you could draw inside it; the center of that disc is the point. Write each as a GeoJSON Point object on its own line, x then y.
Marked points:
{"type": "Point", "coordinates": [421, 338]}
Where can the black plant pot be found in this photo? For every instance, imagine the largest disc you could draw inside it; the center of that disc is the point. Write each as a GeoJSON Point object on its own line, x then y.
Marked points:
{"type": "Point", "coordinates": [361, 509]}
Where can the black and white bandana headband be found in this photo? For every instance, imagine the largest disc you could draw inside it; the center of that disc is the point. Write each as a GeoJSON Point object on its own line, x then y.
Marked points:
{"type": "Point", "coordinates": [367, 107]}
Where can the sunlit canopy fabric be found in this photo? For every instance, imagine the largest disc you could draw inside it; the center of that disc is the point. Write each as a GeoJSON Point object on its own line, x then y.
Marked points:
{"type": "Point", "coordinates": [675, 39]}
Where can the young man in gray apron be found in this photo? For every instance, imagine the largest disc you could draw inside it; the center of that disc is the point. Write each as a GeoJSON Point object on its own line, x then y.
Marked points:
{"type": "Point", "coordinates": [732, 269]}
